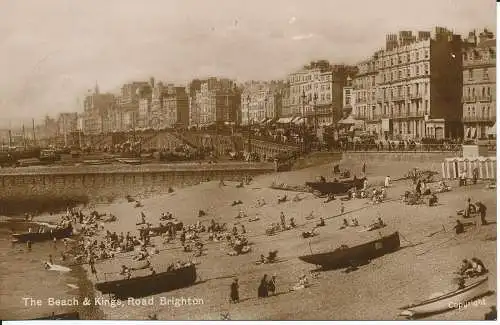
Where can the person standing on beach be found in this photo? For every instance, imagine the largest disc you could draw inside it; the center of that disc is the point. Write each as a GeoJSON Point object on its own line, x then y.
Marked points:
{"type": "Point", "coordinates": [235, 292]}
{"type": "Point", "coordinates": [481, 208]}
{"type": "Point", "coordinates": [271, 285]}
{"type": "Point", "coordinates": [342, 208]}
{"type": "Point", "coordinates": [364, 168]}
{"type": "Point", "coordinates": [262, 291]}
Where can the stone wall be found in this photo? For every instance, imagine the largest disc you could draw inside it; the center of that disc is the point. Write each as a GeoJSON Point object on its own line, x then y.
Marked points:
{"type": "Point", "coordinates": [32, 189]}
{"type": "Point", "coordinates": [409, 156]}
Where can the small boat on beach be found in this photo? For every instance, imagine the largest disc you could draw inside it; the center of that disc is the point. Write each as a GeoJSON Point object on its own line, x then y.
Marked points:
{"type": "Point", "coordinates": [339, 187]}
{"type": "Point", "coordinates": [129, 161]}
{"type": "Point", "coordinates": [141, 286]}
{"type": "Point", "coordinates": [48, 234]}
{"type": "Point", "coordinates": [447, 301]}
{"type": "Point", "coordinates": [345, 256]}
{"type": "Point", "coordinates": [65, 316]}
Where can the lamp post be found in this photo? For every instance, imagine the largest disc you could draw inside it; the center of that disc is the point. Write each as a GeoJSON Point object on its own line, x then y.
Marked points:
{"type": "Point", "coordinates": [315, 100]}
{"type": "Point", "coordinates": [249, 127]}
{"type": "Point", "coordinates": [304, 136]}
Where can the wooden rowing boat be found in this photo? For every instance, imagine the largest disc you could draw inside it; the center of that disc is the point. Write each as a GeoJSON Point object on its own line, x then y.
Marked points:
{"type": "Point", "coordinates": [323, 188]}
{"type": "Point", "coordinates": [48, 234]}
{"type": "Point", "coordinates": [448, 301]}
{"type": "Point", "coordinates": [141, 286]}
{"type": "Point", "coordinates": [346, 256]}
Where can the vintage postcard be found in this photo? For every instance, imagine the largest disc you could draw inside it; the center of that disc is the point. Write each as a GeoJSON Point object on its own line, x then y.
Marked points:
{"type": "Point", "coordinates": [248, 160]}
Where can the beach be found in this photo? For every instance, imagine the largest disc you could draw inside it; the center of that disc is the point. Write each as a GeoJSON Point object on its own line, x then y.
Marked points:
{"type": "Point", "coordinates": [430, 250]}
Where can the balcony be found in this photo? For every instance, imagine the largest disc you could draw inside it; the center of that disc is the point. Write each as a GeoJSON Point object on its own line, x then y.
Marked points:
{"type": "Point", "coordinates": [398, 98]}
{"type": "Point", "coordinates": [491, 119]}
{"type": "Point", "coordinates": [416, 95]}
{"type": "Point", "coordinates": [468, 99]}
{"type": "Point", "coordinates": [485, 98]}
{"type": "Point", "coordinates": [416, 114]}
{"type": "Point", "coordinates": [487, 62]}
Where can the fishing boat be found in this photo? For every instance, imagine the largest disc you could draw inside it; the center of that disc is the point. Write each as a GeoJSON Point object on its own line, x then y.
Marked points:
{"type": "Point", "coordinates": [158, 230]}
{"type": "Point", "coordinates": [344, 256]}
{"type": "Point", "coordinates": [48, 234]}
{"type": "Point", "coordinates": [447, 301]}
{"type": "Point", "coordinates": [141, 286]}
{"type": "Point", "coordinates": [65, 316]}
{"type": "Point", "coordinates": [341, 187]}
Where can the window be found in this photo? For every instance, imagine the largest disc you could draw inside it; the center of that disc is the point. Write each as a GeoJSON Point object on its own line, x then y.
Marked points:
{"type": "Point", "coordinates": [426, 69]}
{"type": "Point", "coordinates": [426, 55]}
{"type": "Point", "coordinates": [408, 72]}
{"type": "Point", "coordinates": [400, 74]}
{"type": "Point", "coordinates": [416, 56]}
{"type": "Point", "coordinates": [417, 70]}
{"type": "Point", "coordinates": [473, 92]}
{"type": "Point", "coordinates": [471, 74]}
{"type": "Point", "coordinates": [408, 57]}
{"type": "Point", "coordinates": [488, 91]}
{"type": "Point", "coordinates": [485, 73]}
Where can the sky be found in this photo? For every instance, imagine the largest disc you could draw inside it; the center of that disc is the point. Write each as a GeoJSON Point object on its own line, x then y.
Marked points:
{"type": "Point", "coordinates": [53, 51]}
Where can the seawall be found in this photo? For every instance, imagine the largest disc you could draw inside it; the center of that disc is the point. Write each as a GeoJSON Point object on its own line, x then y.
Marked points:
{"type": "Point", "coordinates": [409, 156]}
{"type": "Point", "coordinates": [42, 189]}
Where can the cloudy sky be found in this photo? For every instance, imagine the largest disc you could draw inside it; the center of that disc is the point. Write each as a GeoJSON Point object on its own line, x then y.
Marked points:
{"type": "Point", "coordinates": [53, 51]}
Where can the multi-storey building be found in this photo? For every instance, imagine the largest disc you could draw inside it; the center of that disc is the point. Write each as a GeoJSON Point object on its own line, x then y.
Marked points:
{"type": "Point", "coordinates": [67, 123]}
{"type": "Point", "coordinates": [364, 91]}
{"type": "Point", "coordinates": [128, 102]}
{"type": "Point", "coordinates": [175, 111]}
{"type": "Point", "coordinates": [217, 101]}
{"type": "Point", "coordinates": [261, 101]}
{"type": "Point", "coordinates": [316, 92]}
{"type": "Point", "coordinates": [479, 83]}
{"type": "Point", "coordinates": [417, 86]}
{"type": "Point", "coordinates": [95, 112]}
{"type": "Point", "coordinates": [348, 98]}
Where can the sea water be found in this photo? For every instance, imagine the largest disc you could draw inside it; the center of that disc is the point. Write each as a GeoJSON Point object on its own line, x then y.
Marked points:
{"type": "Point", "coordinates": [28, 290]}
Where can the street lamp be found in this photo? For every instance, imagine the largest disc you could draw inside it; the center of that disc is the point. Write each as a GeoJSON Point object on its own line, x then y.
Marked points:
{"type": "Point", "coordinates": [315, 99]}
{"type": "Point", "coordinates": [249, 127]}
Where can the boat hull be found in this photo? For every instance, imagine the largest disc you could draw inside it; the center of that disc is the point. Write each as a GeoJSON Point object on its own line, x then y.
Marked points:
{"type": "Point", "coordinates": [450, 300]}
{"type": "Point", "coordinates": [344, 257]}
{"type": "Point", "coordinates": [47, 235]}
{"type": "Point", "coordinates": [150, 284]}
{"type": "Point", "coordinates": [335, 187]}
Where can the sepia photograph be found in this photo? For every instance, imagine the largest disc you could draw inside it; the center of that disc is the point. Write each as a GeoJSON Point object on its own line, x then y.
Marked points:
{"type": "Point", "coordinates": [254, 160]}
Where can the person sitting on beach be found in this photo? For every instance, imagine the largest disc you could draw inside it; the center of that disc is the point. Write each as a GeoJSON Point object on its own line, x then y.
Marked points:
{"type": "Point", "coordinates": [459, 228]}
{"type": "Point", "coordinates": [380, 222]}
{"type": "Point", "coordinates": [292, 223]}
{"type": "Point", "coordinates": [297, 198]}
{"type": "Point", "coordinates": [281, 199]}
{"type": "Point", "coordinates": [345, 224]}
{"type": "Point", "coordinates": [478, 267]}
{"type": "Point", "coordinates": [330, 198]}
{"type": "Point", "coordinates": [262, 259]}
{"type": "Point", "coordinates": [301, 284]}
{"type": "Point", "coordinates": [355, 222]}
{"type": "Point", "coordinates": [433, 200]}
{"type": "Point", "coordinates": [321, 222]}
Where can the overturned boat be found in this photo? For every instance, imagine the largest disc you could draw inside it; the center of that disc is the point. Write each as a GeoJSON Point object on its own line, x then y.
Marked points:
{"type": "Point", "coordinates": [345, 256]}
{"type": "Point", "coordinates": [141, 286]}
{"type": "Point", "coordinates": [447, 301]}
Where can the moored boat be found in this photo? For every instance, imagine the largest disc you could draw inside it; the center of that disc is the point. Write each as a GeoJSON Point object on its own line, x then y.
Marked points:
{"type": "Point", "coordinates": [345, 256]}
{"type": "Point", "coordinates": [48, 234]}
{"type": "Point", "coordinates": [141, 286]}
{"type": "Point", "coordinates": [447, 301]}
